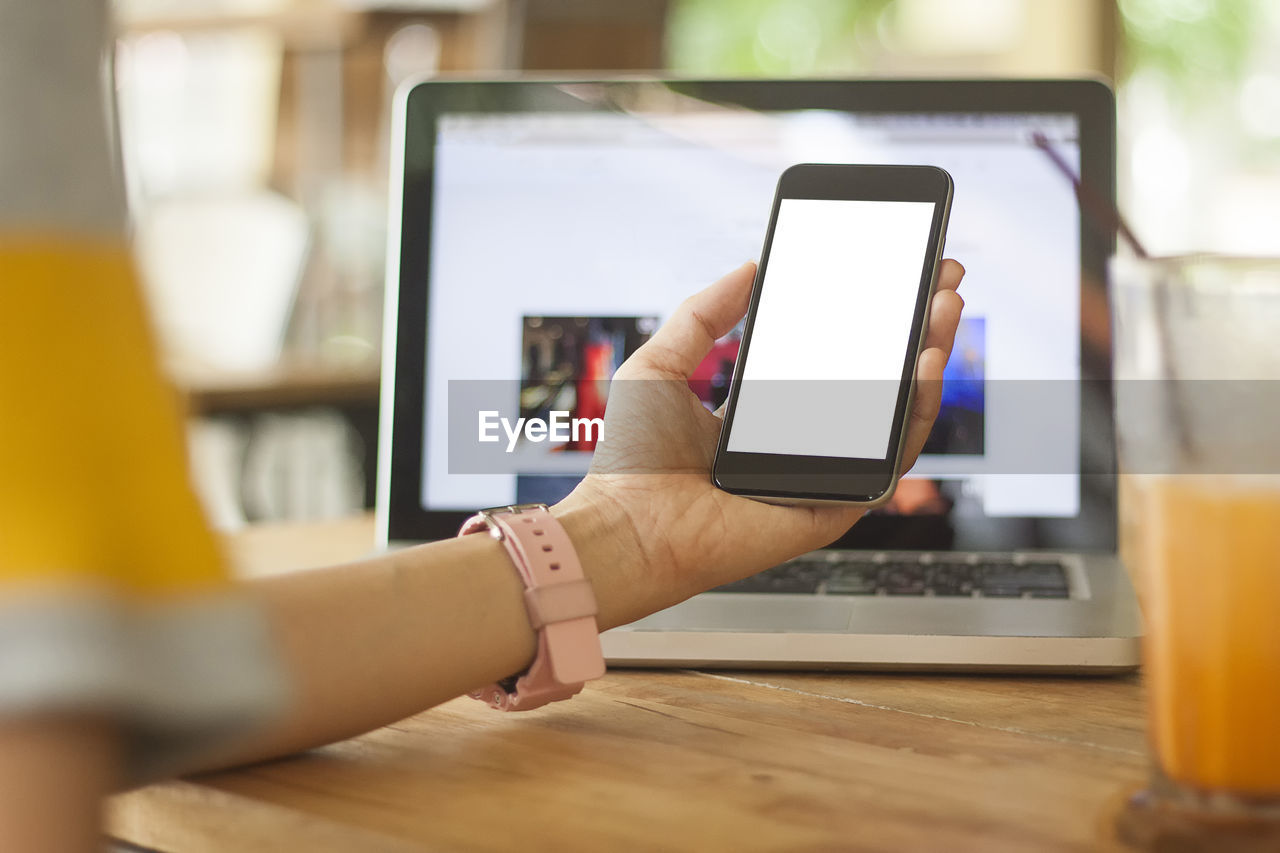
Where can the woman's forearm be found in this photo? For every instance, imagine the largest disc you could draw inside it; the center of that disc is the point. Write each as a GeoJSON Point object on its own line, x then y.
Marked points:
{"type": "Point", "coordinates": [375, 641]}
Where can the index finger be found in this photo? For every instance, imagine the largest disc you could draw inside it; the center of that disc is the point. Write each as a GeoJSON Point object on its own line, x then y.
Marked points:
{"type": "Point", "coordinates": [949, 275]}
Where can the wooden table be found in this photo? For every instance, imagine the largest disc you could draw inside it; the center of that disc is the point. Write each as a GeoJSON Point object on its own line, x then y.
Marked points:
{"type": "Point", "coordinates": [691, 760]}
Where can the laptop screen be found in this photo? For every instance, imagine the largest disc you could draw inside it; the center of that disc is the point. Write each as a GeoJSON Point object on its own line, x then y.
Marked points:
{"type": "Point", "coordinates": [561, 239]}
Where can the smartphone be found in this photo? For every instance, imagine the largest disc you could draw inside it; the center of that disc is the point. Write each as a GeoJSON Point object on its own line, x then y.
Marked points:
{"type": "Point", "coordinates": [825, 375]}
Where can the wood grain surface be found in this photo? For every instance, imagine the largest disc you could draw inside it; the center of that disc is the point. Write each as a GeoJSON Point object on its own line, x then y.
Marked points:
{"type": "Point", "coordinates": [681, 760]}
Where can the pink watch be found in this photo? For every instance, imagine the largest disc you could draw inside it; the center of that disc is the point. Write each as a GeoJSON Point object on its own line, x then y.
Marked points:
{"type": "Point", "coordinates": [561, 605]}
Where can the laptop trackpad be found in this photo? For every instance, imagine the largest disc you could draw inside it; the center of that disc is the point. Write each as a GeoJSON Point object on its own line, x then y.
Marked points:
{"type": "Point", "coordinates": [739, 612]}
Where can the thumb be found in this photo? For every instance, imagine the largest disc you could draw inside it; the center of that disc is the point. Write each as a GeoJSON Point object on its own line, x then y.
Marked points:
{"type": "Point", "coordinates": [688, 335]}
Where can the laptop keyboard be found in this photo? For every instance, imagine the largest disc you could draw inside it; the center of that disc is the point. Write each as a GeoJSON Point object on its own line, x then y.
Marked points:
{"type": "Point", "coordinates": [944, 575]}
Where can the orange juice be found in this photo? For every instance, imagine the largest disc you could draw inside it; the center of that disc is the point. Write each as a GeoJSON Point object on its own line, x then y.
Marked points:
{"type": "Point", "coordinates": [1212, 600]}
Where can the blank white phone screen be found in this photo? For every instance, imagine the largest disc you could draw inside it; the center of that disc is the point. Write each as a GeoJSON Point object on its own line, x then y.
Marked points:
{"type": "Point", "coordinates": [827, 350]}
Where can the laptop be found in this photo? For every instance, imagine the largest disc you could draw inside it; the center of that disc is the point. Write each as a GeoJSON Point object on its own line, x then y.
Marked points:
{"type": "Point", "coordinates": [541, 230]}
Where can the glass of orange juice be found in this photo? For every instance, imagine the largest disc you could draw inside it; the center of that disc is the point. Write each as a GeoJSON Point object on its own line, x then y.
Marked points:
{"type": "Point", "coordinates": [1197, 366]}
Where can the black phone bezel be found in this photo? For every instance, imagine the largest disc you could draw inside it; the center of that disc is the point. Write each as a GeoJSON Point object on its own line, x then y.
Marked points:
{"type": "Point", "coordinates": [823, 478]}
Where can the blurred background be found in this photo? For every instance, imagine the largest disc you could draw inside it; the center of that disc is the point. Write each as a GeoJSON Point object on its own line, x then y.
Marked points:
{"type": "Point", "coordinates": [255, 138]}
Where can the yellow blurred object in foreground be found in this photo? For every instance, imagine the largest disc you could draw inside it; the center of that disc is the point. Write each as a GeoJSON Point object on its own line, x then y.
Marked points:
{"type": "Point", "coordinates": [93, 480]}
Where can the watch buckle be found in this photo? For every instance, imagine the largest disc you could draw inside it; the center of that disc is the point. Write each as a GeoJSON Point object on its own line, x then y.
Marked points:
{"type": "Point", "coordinates": [514, 509]}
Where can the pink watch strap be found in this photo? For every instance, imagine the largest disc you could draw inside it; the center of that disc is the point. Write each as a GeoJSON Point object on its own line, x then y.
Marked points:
{"type": "Point", "coordinates": [560, 603]}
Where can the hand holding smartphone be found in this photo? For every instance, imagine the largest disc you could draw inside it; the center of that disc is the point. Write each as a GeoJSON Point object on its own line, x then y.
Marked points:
{"type": "Point", "coordinates": [825, 375]}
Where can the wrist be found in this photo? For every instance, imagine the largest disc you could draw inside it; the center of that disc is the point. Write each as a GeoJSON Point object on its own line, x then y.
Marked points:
{"type": "Point", "coordinates": [612, 559]}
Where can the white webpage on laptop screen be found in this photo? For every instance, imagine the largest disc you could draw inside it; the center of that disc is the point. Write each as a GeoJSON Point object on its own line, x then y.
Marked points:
{"type": "Point", "coordinates": [598, 225]}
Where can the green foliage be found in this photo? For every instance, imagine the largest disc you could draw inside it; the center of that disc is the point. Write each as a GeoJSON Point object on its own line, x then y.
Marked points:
{"type": "Point", "coordinates": [1200, 46]}
{"type": "Point", "coordinates": [771, 37]}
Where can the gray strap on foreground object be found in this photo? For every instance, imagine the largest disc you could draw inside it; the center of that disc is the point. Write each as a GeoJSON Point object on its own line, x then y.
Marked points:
{"type": "Point", "coordinates": [58, 163]}
{"type": "Point", "coordinates": [182, 679]}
